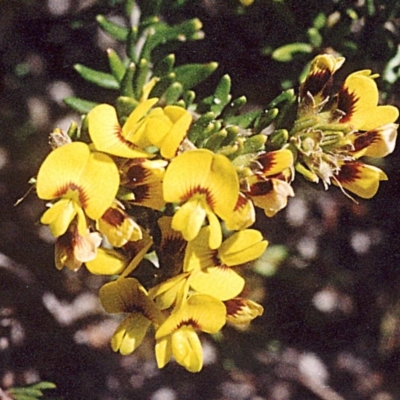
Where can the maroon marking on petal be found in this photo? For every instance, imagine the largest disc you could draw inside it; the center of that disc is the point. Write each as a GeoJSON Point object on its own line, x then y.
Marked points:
{"type": "Point", "coordinates": [141, 192]}
{"type": "Point", "coordinates": [347, 103]}
{"type": "Point", "coordinates": [172, 245]}
{"type": "Point", "coordinates": [234, 306]}
{"type": "Point", "coordinates": [268, 161]}
{"type": "Point", "coordinates": [137, 174]}
{"type": "Point", "coordinates": [73, 187]}
{"type": "Point", "coordinates": [317, 82]}
{"type": "Point", "coordinates": [188, 322]}
{"type": "Point", "coordinates": [261, 188]}
{"type": "Point", "coordinates": [114, 217]}
{"type": "Point", "coordinates": [199, 190]}
{"type": "Point", "coordinates": [365, 139]}
{"type": "Point", "coordinates": [241, 203]}
{"type": "Point", "coordinates": [118, 133]}
{"type": "Point", "coordinates": [349, 172]}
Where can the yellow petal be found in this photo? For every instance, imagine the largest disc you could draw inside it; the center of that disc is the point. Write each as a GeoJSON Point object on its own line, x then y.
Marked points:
{"type": "Point", "coordinates": [186, 349]}
{"type": "Point", "coordinates": [99, 182]}
{"type": "Point", "coordinates": [163, 350]}
{"type": "Point", "coordinates": [275, 162]}
{"type": "Point", "coordinates": [220, 282]}
{"type": "Point", "coordinates": [200, 311]}
{"type": "Point", "coordinates": [202, 172]}
{"type": "Point", "coordinates": [361, 179]}
{"type": "Point", "coordinates": [198, 254]}
{"type": "Point", "coordinates": [358, 98]}
{"type": "Point", "coordinates": [130, 333]}
{"type": "Point", "coordinates": [242, 311]}
{"type": "Point", "coordinates": [128, 295]}
{"type": "Point", "coordinates": [242, 216]}
{"type": "Point", "coordinates": [242, 247]}
{"type": "Point", "coordinates": [106, 133]}
{"type": "Point", "coordinates": [59, 216]}
{"type": "Point", "coordinates": [375, 143]}
{"type": "Point", "coordinates": [107, 262]}
{"type": "Point", "coordinates": [61, 167]}
{"type": "Point", "coordinates": [181, 122]}
{"type": "Point", "coordinates": [189, 218]}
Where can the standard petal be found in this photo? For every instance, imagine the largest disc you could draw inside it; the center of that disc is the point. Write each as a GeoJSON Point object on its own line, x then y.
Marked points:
{"type": "Point", "coordinates": [361, 179]}
{"type": "Point", "coordinates": [275, 162]}
{"type": "Point", "coordinates": [106, 133]}
{"type": "Point", "coordinates": [61, 169]}
{"type": "Point", "coordinates": [99, 182]}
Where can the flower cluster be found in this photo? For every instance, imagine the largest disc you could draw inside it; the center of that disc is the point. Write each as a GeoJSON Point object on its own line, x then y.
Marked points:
{"type": "Point", "coordinates": [147, 192]}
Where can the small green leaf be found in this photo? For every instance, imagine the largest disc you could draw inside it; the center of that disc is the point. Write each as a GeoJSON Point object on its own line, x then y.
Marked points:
{"type": "Point", "coordinates": [217, 102]}
{"type": "Point", "coordinates": [116, 31]}
{"type": "Point", "coordinates": [286, 53]}
{"type": "Point", "coordinates": [190, 75]}
{"type": "Point", "coordinates": [215, 141]}
{"type": "Point", "coordinates": [198, 128]}
{"type": "Point", "coordinates": [127, 81]}
{"type": "Point", "coordinates": [270, 260]}
{"type": "Point", "coordinates": [44, 385]}
{"type": "Point", "coordinates": [125, 105]}
{"type": "Point", "coordinates": [244, 120]}
{"type": "Point", "coordinates": [139, 79]}
{"type": "Point", "coordinates": [288, 96]}
{"type": "Point", "coordinates": [266, 119]}
{"type": "Point", "coordinates": [162, 85]}
{"type": "Point", "coordinates": [99, 78]}
{"type": "Point", "coordinates": [131, 43]}
{"type": "Point", "coordinates": [172, 94]}
{"type": "Point", "coordinates": [254, 143]}
{"type": "Point", "coordinates": [314, 37]}
{"type": "Point", "coordinates": [234, 107]}
{"type": "Point", "coordinates": [279, 137]}
{"type": "Point", "coordinates": [80, 105]}
{"type": "Point", "coordinates": [164, 66]}
{"type": "Point", "coordinates": [189, 97]}
{"type": "Point", "coordinates": [116, 65]}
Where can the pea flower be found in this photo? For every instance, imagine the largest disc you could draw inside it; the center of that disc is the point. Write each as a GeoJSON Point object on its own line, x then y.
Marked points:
{"type": "Point", "coordinates": [211, 270]}
{"type": "Point", "coordinates": [206, 186]}
{"type": "Point", "coordinates": [162, 127]}
{"type": "Point", "coordinates": [177, 336]}
{"type": "Point", "coordinates": [83, 183]}
{"type": "Point", "coordinates": [129, 296]}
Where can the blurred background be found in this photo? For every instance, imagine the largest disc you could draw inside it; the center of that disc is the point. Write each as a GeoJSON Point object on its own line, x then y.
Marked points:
{"type": "Point", "coordinates": [330, 283]}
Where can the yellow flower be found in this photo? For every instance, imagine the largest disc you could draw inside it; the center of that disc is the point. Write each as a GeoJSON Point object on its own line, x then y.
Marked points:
{"type": "Point", "coordinates": [82, 181]}
{"type": "Point", "coordinates": [210, 269]}
{"type": "Point", "coordinates": [108, 136]}
{"type": "Point", "coordinates": [129, 296]}
{"type": "Point", "coordinates": [206, 185]}
{"type": "Point", "coordinates": [378, 142]}
{"type": "Point", "coordinates": [318, 82]}
{"type": "Point", "coordinates": [358, 100]}
{"type": "Point", "coordinates": [359, 178]}
{"type": "Point", "coordinates": [241, 312]}
{"type": "Point", "coordinates": [162, 127]}
{"type": "Point", "coordinates": [107, 262]}
{"type": "Point", "coordinates": [72, 249]}
{"type": "Point", "coordinates": [177, 336]}
{"type": "Point", "coordinates": [119, 228]}
{"type": "Point", "coordinates": [143, 179]}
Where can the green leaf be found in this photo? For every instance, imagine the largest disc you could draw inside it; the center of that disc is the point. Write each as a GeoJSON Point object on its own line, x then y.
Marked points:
{"type": "Point", "coordinates": [44, 385]}
{"type": "Point", "coordinates": [234, 107]}
{"type": "Point", "coordinates": [391, 72]}
{"type": "Point", "coordinates": [131, 43]}
{"type": "Point", "coordinates": [270, 260]}
{"type": "Point", "coordinates": [286, 53]}
{"type": "Point", "coordinates": [190, 75]}
{"type": "Point", "coordinates": [215, 141]}
{"type": "Point", "coordinates": [125, 105]}
{"type": "Point", "coordinates": [254, 143]}
{"type": "Point", "coordinates": [217, 102]}
{"type": "Point", "coordinates": [99, 78]}
{"type": "Point", "coordinates": [172, 94]}
{"type": "Point", "coordinates": [139, 79]}
{"type": "Point", "coordinates": [116, 65]}
{"type": "Point", "coordinates": [198, 128]}
{"type": "Point", "coordinates": [244, 120]}
{"type": "Point", "coordinates": [127, 81]}
{"type": "Point", "coordinates": [162, 85]}
{"type": "Point", "coordinates": [80, 105]}
{"type": "Point", "coordinates": [164, 66]}
{"type": "Point", "coordinates": [266, 119]}
{"type": "Point", "coordinates": [116, 31]}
